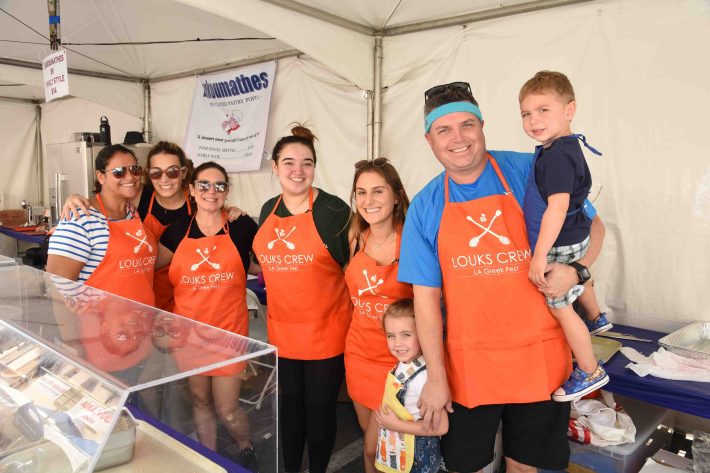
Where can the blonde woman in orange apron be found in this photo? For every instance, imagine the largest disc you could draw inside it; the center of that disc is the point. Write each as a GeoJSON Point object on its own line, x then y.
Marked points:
{"type": "Point", "coordinates": [302, 245]}
{"type": "Point", "coordinates": [163, 200]}
{"type": "Point", "coordinates": [504, 354]}
{"type": "Point", "coordinates": [380, 205]}
{"type": "Point", "coordinates": [209, 259]}
{"type": "Point", "coordinates": [110, 249]}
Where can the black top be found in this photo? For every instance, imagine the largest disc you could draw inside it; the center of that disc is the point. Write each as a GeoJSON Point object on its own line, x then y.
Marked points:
{"type": "Point", "coordinates": [561, 168]}
{"type": "Point", "coordinates": [164, 216]}
{"type": "Point", "coordinates": [241, 231]}
{"type": "Point", "coordinates": [331, 216]}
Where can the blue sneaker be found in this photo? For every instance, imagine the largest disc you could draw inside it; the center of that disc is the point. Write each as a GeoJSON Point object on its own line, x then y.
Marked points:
{"type": "Point", "coordinates": [580, 383]}
{"type": "Point", "coordinates": [598, 325]}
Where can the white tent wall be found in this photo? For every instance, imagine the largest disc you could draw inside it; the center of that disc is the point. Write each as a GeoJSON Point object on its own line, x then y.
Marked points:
{"type": "Point", "coordinates": [305, 92]}
{"type": "Point", "coordinates": [642, 96]}
{"type": "Point", "coordinates": [18, 159]}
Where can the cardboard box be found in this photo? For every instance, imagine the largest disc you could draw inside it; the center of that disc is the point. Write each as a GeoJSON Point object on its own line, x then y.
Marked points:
{"type": "Point", "coordinates": [12, 218]}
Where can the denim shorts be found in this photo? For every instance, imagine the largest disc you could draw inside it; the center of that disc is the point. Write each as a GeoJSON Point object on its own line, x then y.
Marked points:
{"type": "Point", "coordinates": [427, 455]}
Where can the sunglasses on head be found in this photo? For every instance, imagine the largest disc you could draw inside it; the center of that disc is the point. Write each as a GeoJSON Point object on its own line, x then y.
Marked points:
{"type": "Point", "coordinates": [204, 186]}
{"type": "Point", "coordinates": [173, 172]}
{"type": "Point", "coordinates": [377, 162]}
{"type": "Point", "coordinates": [120, 171]}
{"type": "Point", "coordinates": [440, 89]}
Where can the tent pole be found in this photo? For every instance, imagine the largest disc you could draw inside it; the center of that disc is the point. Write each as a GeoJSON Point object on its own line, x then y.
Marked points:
{"type": "Point", "coordinates": [377, 100]}
{"type": "Point", "coordinates": [525, 7]}
{"type": "Point", "coordinates": [368, 97]}
{"type": "Point", "coordinates": [146, 112]}
{"type": "Point", "coordinates": [38, 150]}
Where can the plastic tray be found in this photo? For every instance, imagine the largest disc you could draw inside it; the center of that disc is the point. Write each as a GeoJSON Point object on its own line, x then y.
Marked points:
{"type": "Point", "coordinates": [692, 341]}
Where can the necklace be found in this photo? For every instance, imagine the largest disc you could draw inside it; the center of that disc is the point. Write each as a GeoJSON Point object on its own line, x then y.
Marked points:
{"type": "Point", "coordinates": [382, 243]}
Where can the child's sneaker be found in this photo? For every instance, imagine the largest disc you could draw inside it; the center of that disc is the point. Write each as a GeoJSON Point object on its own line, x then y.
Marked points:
{"type": "Point", "coordinates": [598, 325]}
{"type": "Point", "coordinates": [580, 383]}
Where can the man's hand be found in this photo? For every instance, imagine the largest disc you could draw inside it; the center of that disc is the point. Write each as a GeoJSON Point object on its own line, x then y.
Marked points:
{"type": "Point", "coordinates": [435, 397]}
{"type": "Point", "coordinates": [559, 279]}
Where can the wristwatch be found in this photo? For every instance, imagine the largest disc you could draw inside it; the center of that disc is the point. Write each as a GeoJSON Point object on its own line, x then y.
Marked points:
{"type": "Point", "coordinates": [582, 272]}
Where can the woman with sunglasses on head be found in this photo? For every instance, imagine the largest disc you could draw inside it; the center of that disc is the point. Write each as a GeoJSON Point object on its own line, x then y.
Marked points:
{"type": "Point", "coordinates": [379, 208]}
{"type": "Point", "coordinates": [302, 246]}
{"type": "Point", "coordinates": [163, 200]}
{"type": "Point", "coordinates": [108, 247]}
{"type": "Point", "coordinates": [209, 259]}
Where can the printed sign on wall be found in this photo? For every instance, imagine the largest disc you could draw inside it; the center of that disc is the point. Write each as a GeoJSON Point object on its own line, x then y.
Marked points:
{"type": "Point", "coordinates": [229, 114]}
{"type": "Point", "coordinates": [56, 77]}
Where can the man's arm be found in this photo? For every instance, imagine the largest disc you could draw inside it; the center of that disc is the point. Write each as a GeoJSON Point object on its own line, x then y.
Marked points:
{"type": "Point", "coordinates": [561, 277]}
{"type": "Point", "coordinates": [435, 395]}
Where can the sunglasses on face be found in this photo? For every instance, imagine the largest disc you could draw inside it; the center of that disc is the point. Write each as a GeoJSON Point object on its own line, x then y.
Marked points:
{"type": "Point", "coordinates": [204, 186]}
{"type": "Point", "coordinates": [440, 89]}
{"type": "Point", "coordinates": [173, 172]}
{"type": "Point", "coordinates": [120, 171]}
{"type": "Point", "coordinates": [377, 162]}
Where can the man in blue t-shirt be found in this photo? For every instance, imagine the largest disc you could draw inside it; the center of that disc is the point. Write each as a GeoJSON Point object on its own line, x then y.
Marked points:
{"type": "Point", "coordinates": [465, 239]}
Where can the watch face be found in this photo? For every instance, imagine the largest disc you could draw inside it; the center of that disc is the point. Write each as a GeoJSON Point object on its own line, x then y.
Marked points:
{"type": "Point", "coordinates": [584, 274]}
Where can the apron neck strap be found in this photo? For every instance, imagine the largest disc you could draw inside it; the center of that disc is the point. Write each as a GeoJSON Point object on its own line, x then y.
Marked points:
{"type": "Point", "coordinates": [225, 225]}
{"type": "Point", "coordinates": [310, 201]}
{"type": "Point", "coordinates": [493, 162]}
{"type": "Point", "coordinates": [103, 209]}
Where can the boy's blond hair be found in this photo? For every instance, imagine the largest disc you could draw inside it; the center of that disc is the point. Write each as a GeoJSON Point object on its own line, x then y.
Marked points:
{"type": "Point", "coordinates": [546, 81]}
{"type": "Point", "coordinates": [399, 310]}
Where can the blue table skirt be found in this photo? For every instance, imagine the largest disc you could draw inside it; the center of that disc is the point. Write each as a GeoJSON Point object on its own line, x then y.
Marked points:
{"type": "Point", "coordinates": [684, 396]}
{"type": "Point", "coordinates": [38, 239]}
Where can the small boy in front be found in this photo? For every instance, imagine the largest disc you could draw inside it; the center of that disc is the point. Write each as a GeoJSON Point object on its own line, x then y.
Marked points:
{"type": "Point", "coordinates": [558, 221]}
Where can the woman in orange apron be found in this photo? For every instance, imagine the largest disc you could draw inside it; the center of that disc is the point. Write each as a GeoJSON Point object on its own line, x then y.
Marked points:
{"type": "Point", "coordinates": [302, 245]}
{"type": "Point", "coordinates": [375, 233]}
{"type": "Point", "coordinates": [209, 258]}
{"type": "Point", "coordinates": [163, 200]}
{"type": "Point", "coordinates": [108, 249]}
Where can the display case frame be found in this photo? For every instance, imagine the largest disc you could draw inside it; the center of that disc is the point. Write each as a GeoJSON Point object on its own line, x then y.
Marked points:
{"type": "Point", "coordinates": [75, 362]}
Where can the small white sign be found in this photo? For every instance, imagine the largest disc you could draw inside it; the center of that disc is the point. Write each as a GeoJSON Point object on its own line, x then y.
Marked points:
{"type": "Point", "coordinates": [56, 76]}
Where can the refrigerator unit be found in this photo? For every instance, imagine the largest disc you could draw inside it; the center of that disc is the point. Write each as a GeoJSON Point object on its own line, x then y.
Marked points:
{"type": "Point", "coordinates": [69, 169]}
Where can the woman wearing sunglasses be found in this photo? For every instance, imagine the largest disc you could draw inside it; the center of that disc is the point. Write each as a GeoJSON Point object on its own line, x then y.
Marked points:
{"type": "Point", "coordinates": [163, 200]}
{"type": "Point", "coordinates": [209, 259]}
{"type": "Point", "coordinates": [379, 207]}
{"type": "Point", "coordinates": [302, 245]}
{"type": "Point", "coordinates": [108, 247]}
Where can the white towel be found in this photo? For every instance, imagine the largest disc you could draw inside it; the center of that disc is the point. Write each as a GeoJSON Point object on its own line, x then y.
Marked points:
{"type": "Point", "coordinates": [665, 364]}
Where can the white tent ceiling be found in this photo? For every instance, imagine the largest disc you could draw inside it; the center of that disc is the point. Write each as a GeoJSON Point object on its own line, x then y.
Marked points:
{"type": "Point", "coordinates": [275, 28]}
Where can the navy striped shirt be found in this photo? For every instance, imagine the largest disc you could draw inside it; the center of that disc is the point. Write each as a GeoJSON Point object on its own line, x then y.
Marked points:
{"type": "Point", "coordinates": [84, 239]}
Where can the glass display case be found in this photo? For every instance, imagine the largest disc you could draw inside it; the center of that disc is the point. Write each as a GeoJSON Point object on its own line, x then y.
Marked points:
{"type": "Point", "coordinates": [91, 381]}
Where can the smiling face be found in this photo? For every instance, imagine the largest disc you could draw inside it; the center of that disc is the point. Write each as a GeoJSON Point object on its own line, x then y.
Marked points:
{"type": "Point", "coordinates": [295, 169]}
{"type": "Point", "coordinates": [374, 198]}
{"type": "Point", "coordinates": [402, 338]}
{"type": "Point", "coordinates": [209, 200]}
{"type": "Point", "coordinates": [125, 187]}
{"type": "Point", "coordinates": [546, 116]}
{"type": "Point", "coordinates": [458, 143]}
{"type": "Point", "coordinates": [165, 186]}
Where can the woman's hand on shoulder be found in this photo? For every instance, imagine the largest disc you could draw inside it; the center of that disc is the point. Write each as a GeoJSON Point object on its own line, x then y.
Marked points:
{"type": "Point", "coordinates": [234, 213]}
{"type": "Point", "coordinates": [74, 207]}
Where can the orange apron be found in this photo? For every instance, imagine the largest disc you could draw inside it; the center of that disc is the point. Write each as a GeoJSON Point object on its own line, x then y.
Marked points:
{"type": "Point", "coordinates": [127, 271]}
{"type": "Point", "coordinates": [210, 286]}
{"type": "Point", "coordinates": [503, 345]}
{"type": "Point", "coordinates": [367, 359]}
{"type": "Point", "coordinates": [308, 312]}
{"type": "Point", "coordinates": [161, 283]}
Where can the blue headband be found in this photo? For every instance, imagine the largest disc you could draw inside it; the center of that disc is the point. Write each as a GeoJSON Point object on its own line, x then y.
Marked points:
{"type": "Point", "coordinates": [450, 107]}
